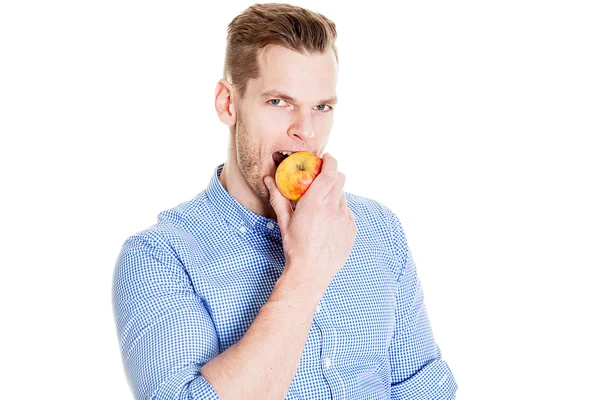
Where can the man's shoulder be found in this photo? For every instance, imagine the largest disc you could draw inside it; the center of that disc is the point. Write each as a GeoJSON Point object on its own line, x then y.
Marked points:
{"type": "Point", "coordinates": [196, 210]}
{"type": "Point", "coordinates": [173, 223]}
{"type": "Point", "coordinates": [367, 209]}
{"type": "Point", "coordinates": [377, 218]}
{"type": "Point", "coordinates": [379, 224]}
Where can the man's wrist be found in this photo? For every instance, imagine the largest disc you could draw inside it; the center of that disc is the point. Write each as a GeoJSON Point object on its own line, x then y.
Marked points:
{"type": "Point", "coordinates": [293, 285]}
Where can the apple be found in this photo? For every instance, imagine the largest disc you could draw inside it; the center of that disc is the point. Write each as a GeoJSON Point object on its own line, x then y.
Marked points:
{"type": "Point", "coordinates": [296, 173]}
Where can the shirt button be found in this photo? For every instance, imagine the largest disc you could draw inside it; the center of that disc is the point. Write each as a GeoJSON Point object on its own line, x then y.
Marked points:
{"type": "Point", "coordinates": [327, 362]}
{"type": "Point", "coordinates": [242, 229]}
{"type": "Point", "coordinates": [318, 308]}
{"type": "Point", "coordinates": [270, 225]}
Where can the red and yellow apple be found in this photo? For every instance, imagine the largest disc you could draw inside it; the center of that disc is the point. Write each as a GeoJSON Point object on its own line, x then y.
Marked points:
{"type": "Point", "coordinates": [296, 173]}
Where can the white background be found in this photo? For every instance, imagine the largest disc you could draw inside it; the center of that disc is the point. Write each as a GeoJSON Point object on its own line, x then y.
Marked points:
{"type": "Point", "coordinates": [476, 122]}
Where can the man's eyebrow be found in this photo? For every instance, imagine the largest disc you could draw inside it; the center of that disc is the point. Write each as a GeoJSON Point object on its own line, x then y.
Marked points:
{"type": "Point", "coordinates": [280, 95]}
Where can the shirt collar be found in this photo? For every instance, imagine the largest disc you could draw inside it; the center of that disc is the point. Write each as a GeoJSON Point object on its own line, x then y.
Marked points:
{"type": "Point", "coordinates": [235, 214]}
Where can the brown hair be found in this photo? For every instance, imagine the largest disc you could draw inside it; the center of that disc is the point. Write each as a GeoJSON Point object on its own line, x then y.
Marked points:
{"type": "Point", "coordinates": [261, 25]}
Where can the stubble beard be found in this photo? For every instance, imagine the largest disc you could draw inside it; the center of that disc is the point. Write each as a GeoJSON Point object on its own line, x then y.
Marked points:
{"type": "Point", "coordinates": [249, 162]}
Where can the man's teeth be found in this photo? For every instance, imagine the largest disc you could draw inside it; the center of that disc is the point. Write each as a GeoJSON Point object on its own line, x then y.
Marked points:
{"type": "Point", "coordinates": [286, 153]}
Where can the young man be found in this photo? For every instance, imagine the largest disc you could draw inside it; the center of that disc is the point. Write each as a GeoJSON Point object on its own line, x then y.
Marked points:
{"type": "Point", "coordinates": [237, 295]}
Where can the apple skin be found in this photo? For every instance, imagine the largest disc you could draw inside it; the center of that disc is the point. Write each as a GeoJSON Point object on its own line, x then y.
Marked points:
{"type": "Point", "coordinates": [296, 173]}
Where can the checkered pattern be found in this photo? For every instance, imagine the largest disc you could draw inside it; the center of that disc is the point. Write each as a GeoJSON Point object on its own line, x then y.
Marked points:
{"type": "Point", "coordinates": [188, 287]}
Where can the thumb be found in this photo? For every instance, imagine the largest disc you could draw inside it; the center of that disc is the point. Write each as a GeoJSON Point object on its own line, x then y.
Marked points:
{"type": "Point", "coordinates": [280, 204]}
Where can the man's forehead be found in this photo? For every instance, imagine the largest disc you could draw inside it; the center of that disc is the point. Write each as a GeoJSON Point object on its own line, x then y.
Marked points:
{"type": "Point", "coordinates": [288, 73]}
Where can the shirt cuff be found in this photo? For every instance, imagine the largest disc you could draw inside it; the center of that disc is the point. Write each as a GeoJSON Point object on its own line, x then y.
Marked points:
{"type": "Point", "coordinates": [188, 382]}
{"type": "Point", "coordinates": [200, 388]}
{"type": "Point", "coordinates": [435, 380]}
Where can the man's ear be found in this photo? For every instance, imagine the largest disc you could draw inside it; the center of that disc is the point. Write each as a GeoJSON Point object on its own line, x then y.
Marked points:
{"type": "Point", "coordinates": [224, 102]}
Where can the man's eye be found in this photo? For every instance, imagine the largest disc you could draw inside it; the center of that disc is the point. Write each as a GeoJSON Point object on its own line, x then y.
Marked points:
{"type": "Point", "coordinates": [275, 100]}
{"type": "Point", "coordinates": [320, 107]}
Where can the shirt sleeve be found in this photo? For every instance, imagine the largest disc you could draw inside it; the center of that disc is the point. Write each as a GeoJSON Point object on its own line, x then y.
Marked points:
{"type": "Point", "coordinates": [166, 333]}
{"type": "Point", "coordinates": [417, 369]}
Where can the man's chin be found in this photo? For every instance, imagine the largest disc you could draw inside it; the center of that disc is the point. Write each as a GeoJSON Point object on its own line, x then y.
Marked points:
{"type": "Point", "coordinates": [264, 197]}
{"type": "Point", "coordinates": [266, 201]}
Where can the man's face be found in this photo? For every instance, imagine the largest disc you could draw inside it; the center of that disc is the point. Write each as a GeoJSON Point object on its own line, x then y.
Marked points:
{"type": "Point", "coordinates": [269, 122]}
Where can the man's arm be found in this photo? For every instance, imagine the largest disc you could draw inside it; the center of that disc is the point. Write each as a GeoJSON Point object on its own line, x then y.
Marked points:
{"type": "Point", "coordinates": [263, 363]}
{"type": "Point", "coordinates": [418, 371]}
{"type": "Point", "coordinates": [165, 331]}
{"type": "Point", "coordinates": [167, 334]}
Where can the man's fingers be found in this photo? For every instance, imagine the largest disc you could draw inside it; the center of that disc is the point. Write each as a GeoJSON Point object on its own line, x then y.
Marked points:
{"type": "Point", "coordinates": [336, 191]}
{"type": "Point", "coordinates": [343, 202]}
{"type": "Point", "coordinates": [280, 204]}
{"type": "Point", "coordinates": [329, 163]}
{"type": "Point", "coordinates": [344, 206]}
{"type": "Point", "coordinates": [321, 186]}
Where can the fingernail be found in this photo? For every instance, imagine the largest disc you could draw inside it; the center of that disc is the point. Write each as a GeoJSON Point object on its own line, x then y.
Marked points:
{"type": "Point", "coordinates": [268, 183]}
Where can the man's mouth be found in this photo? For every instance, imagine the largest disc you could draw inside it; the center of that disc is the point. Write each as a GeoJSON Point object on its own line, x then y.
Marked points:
{"type": "Point", "coordinates": [279, 156]}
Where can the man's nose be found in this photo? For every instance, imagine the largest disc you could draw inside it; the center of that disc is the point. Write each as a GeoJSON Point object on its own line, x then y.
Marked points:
{"type": "Point", "coordinates": [302, 128]}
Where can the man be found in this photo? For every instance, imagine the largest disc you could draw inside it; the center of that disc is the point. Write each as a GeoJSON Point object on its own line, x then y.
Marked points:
{"type": "Point", "coordinates": [236, 294]}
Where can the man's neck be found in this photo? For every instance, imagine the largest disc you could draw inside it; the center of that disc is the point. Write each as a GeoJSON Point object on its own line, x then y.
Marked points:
{"type": "Point", "coordinates": [235, 184]}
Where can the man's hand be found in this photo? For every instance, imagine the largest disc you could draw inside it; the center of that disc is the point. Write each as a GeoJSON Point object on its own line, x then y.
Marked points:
{"type": "Point", "coordinates": [318, 235]}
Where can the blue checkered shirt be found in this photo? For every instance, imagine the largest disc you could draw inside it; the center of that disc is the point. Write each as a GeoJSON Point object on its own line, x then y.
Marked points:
{"type": "Point", "coordinates": [188, 287]}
